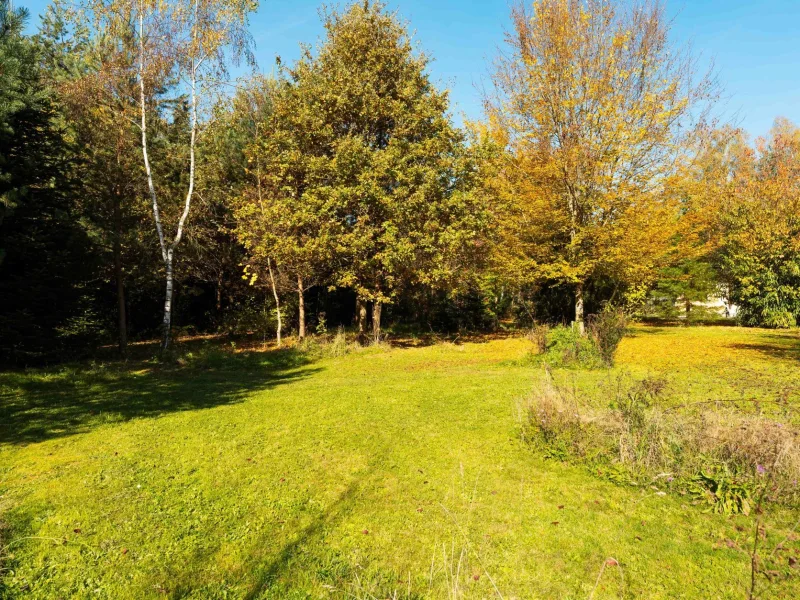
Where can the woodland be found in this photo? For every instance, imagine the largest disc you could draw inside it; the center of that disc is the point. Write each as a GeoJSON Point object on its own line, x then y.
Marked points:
{"type": "Point", "coordinates": [142, 191]}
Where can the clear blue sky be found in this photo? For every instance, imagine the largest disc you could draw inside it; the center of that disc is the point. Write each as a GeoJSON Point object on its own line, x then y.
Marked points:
{"type": "Point", "coordinates": [755, 45]}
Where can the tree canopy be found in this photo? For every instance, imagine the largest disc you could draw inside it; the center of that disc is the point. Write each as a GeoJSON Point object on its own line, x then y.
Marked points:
{"type": "Point", "coordinates": [341, 185]}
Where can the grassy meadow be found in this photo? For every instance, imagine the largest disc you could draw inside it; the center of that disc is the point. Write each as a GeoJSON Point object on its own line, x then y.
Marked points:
{"type": "Point", "coordinates": [383, 473]}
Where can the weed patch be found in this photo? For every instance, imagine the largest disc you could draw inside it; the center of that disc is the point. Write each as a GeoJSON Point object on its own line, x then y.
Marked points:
{"type": "Point", "coordinates": [564, 347]}
{"type": "Point", "coordinates": [712, 452]}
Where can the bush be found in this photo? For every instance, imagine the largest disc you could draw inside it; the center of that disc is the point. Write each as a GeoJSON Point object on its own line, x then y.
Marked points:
{"type": "Point", "coordinates": [325, 345]}
{"type": "Point", "coordinates": [565, 346]}
{"type": "Point", "coordinates": [538, 335]}
{"type": "Point", "coordinates": [714, 453]}
{"type": "Point", "coordinates": [251, 316]}
{"type": "Point", "coordinates": [781, 319]}
{"type": "Point", "coordinates": [607, 329]}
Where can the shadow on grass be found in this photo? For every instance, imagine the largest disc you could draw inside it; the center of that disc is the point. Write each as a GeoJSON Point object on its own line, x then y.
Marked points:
{"type": "Point", "coordinates": [692, 322]}
{"type": "Point", "coordinates": [642, 331]}
{"type": "Point", "coordinates": [304, 558]}
{"type": "Point", "coordinates": [285, 560]}
{"type": "Point", "coordinates": [782, 346]}
{"type": "Point", "coordinates": [43, 404]}
{"type": "Point", "coordinates": [411, 339]}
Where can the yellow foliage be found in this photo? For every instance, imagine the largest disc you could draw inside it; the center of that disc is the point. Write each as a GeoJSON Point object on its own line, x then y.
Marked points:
{"type": "Point", "coordinates": [591, 113]}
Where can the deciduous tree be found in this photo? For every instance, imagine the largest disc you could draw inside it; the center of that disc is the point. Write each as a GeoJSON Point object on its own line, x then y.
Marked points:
{"type": "Point", "coordinates": [760, 251]}
{"type": "Point", "coordinates": [593, 104]}
{"type": "Point", "coordinates": [182, 45]}
{"type": "Point", "coordinates": [287, 215]}
{"type": "Point", "coordinates": [404, 182]}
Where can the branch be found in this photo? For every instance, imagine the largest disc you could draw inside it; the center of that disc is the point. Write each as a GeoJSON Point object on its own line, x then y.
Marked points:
{"type": "Point", "coordinates": [187, 205]}
{"type": "Point", "coordinates": [150, 186]}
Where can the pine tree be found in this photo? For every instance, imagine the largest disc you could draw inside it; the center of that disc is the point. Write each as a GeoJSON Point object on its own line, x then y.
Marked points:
{"type": "Point", "coordinates": [46, 258]}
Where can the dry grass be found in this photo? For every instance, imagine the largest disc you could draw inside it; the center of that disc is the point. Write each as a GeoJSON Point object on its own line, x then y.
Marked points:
{"type": "Point", "coordinates": [653, 442]}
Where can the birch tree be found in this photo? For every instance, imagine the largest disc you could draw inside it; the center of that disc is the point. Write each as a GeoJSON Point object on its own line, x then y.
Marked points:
{"type": "Point", "coordinates": [594, 106]}
{"type": "Point", "coordinates": [184, 46]}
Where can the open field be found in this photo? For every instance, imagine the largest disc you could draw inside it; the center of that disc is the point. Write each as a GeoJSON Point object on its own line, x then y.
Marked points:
{"type": "Point", "coordinates": [382, 473]}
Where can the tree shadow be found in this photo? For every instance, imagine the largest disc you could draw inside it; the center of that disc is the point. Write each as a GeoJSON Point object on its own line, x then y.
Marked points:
{"type": "Point", "coordinates": [675, 323]}
{"type": "Point", "coordinates": [411, 339]}
{"type": "Point", "coordinates": [38, 405]}
{"type": "Point", "coordinates": [283, 561]}
{"type": "Point", "coordinates": [643, 331]}
{"type": "Point", "coordinates": [305, 549]}
{"type": "Point", "coordinates": [782, 346]}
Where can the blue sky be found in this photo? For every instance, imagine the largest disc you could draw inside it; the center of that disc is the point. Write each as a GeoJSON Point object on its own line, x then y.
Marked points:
{"type": "Point", "coordinates": [755, 45]}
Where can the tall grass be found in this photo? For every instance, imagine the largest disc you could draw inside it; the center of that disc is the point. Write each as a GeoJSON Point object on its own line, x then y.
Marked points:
{"type": "Point", "coordinates": [711, 451]}
{"type": "Point", "coordinates": [567, 346]}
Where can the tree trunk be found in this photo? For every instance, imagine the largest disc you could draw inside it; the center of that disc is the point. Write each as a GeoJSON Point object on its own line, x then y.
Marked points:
{"type": "Point", "coordinates": [219, 294]}
{"type": "Point", "coordinates": [301, 309]}
{"type": "Point", "coordinates": [361, 318]}
{"type": "Point", "coordinates": [376, 321]}
{"type": "Point", "coordinates": [168, 303]}
{"type": "Point", "coordinates": [118, 275]}
{"type": "Point", "coordinates": [168, 249]}
{"type": "Point", "coordinates": [277, 301]}
{"type": "Point", "coordinates": [579, 308]}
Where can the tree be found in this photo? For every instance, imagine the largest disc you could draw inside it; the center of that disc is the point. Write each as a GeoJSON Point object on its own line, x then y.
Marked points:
{"type": "Point", "coordinates": [403, 182]}
{"type": "Point", "coordinates": [183, 46]}
{"type": "Point", "coordinates": [46, 258]}
{"type": "Point", "coordinates": [97, 97]}
{"type": "Point", "coordinates": [286, 215]}
{"type": "Point", "coordinates": [739, 215]}
{"type": "Point", "coordinates": [215, 254]}
{"type": "Point", "coordinates": [688, 282]}
{"type": "Point", "coordinates": [593, 105]}
{"type": "Point", "coordinates": [760, 251]}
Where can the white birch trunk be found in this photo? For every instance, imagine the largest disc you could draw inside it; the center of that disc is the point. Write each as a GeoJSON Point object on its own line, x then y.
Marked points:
{"type": "Point", "coordinates": [277, 301]}
{"type": "Point", "coordinates": [168, 250]}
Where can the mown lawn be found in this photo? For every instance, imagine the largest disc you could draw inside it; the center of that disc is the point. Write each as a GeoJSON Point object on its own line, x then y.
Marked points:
{"type": "Point", "coordinates": [382, 473]}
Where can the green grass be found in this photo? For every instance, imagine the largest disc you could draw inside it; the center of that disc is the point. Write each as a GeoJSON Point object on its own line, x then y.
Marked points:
{"type": "Point", "coordinates": [756, 369]}
{"type": "Point", "coordinates": [380, 474]}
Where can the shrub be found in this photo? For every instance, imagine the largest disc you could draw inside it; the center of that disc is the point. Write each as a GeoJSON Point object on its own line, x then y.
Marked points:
{"type": "Point", "coordinates": [538, 335]}
{"type": "Point", "coordinates": [339, 345]}
{"type": "Point", "coordinates": [607, 329]}
{"type": "Point", "coordinates": [326, 346]}
{"type": "Point", "coordinates": [567, 347]}
{"type": "Point", "coordinates": [250, 316]}
{"type": "Point", "coordinates": [710, 451]}
{"type": "Point", "coordinates": [779, 319]}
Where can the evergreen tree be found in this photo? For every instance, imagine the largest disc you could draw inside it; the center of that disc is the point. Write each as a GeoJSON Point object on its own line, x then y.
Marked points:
{"type": "Point", "coordinates": [46, 258]}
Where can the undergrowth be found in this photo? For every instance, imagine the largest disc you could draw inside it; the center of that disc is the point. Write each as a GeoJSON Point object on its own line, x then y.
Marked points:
{"type": "Point", "coordinates": [718, 456]}
{"type": "Point", "coordinates": [722, 460]}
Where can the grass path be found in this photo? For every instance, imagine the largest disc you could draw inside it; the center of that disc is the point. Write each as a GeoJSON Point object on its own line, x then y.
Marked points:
{"type": "Point", "coordinates": [377, 473]}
